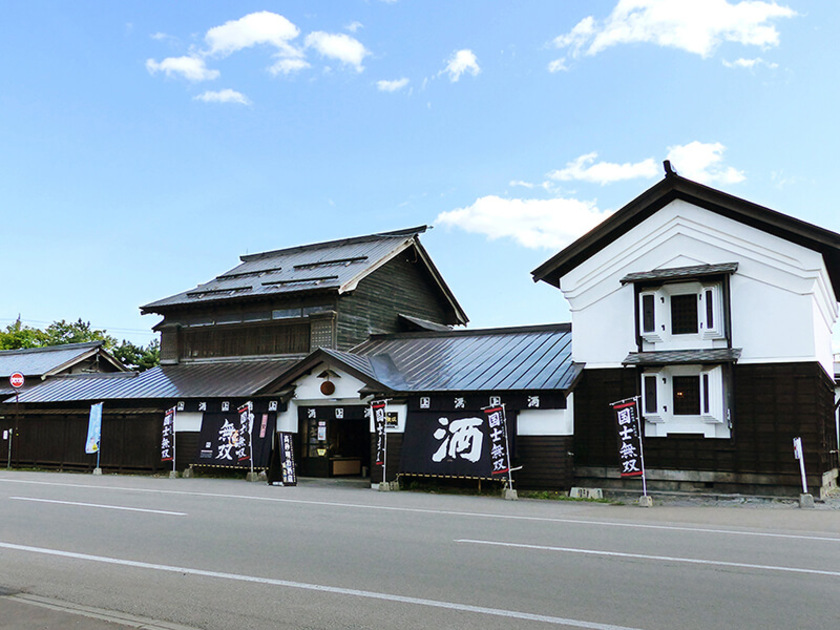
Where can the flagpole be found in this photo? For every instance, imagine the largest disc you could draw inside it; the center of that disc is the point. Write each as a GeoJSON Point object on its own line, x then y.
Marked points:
{"type": "Point", "coordinates": [641, 445]}
{"type": "Point", "coordinates": [251, 435]}
{"type": "Point", "coordinates": [174, 450]}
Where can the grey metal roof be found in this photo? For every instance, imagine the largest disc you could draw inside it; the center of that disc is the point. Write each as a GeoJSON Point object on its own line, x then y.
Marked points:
{"type": "Point", "coordinates": [500, 359]}
{"type": "Point", "coordinates": [678, 273]}
{"type": "Point", "coordinates": [33, 362]}
{"type": "Point", "coordinates": [683, 357]}
{"type": "Point", "coordinates": [192, 380]}
{"type": "Point", "coordinates": [333, 265]}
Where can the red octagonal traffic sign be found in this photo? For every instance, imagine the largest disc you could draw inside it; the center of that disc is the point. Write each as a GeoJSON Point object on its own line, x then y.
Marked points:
{"type": "Point", "coordinates": [16, 380]}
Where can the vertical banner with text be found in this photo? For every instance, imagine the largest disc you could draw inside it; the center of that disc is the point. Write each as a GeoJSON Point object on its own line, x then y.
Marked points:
{"type": "Point", "coordinates": [497, 431]}
{"type": "Point", "coordinates": [378, 410]}
{"type": "Point", "coordinates": [629, 437]}
{"type": "Point", "coordinates": [167, 437]}
{"type": "Point", "coordinates": [94, 434]}
{"type": "Point", "coordinates": [243, 443]}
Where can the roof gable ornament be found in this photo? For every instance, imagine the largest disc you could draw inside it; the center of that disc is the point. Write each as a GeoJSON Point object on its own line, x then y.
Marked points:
{"type": "Point", "coordinates": [669, 171]}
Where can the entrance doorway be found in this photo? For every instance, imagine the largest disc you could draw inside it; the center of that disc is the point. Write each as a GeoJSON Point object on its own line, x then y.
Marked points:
{"type": "Point", "coordinates": [335, 441]}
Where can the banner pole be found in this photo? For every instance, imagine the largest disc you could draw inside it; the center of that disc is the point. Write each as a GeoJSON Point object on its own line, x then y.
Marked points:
{"type": "Point", "coordinates": [507, 448]}
{"type": "Point", "coordinates": [174, 449]}
{"type": "Point", "coordinates": [251, 435]}
{"type": "Point", "coordinates": [641, 445]}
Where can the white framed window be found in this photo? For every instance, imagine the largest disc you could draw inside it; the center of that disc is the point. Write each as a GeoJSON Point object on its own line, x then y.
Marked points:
{"type": "Point", "coordinates": [680, 399]}
{"type": "Point", "coordinates": [681, 314]}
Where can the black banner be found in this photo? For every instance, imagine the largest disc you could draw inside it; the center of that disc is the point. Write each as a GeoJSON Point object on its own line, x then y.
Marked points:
{"type": "Point", "coordinates": [222, 441]}
{"type": "Point", "coordinates": [246, 425]}
{"type": "Point", "coordinates": [497, 429]}
{"type": "Point", "coordinates": [287, 460]}
{"type": "Point", "coordinates": [629, 438]}
{"type": "Point", "coordinates": [379, 423]}
{"type": "Point", "coordinates": [453, 444]}
{"type": "Point", "coordinates": [167, 438]}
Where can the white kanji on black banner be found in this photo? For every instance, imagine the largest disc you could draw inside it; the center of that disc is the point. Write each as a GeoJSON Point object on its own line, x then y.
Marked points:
{"type": "Point", "coordinates": [629, 438]}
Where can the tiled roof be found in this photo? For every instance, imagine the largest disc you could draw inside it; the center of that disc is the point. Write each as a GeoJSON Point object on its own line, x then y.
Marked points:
{"type": "Point", "coordinates": [333, 266]}
{"type": "Point", "coordinates": [192, 380]}
{"type": "Point", "coordinates": [683, 357]}
{"type": "Point", "coordinates": [677, 273]}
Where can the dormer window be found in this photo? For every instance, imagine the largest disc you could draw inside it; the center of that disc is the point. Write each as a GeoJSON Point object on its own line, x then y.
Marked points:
{"type": "Point", "coordinates": [682, 307]}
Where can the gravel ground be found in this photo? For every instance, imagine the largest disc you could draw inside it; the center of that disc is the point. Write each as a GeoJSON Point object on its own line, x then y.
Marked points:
{"type": "Point", "coordinates": [831, 502]}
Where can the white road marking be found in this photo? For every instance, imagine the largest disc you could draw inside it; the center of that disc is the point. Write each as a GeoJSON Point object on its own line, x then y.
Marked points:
{"type": "Point", "coordinates": [97, 505]}
{"type": "Point", "coordinates": [389, 597]}
{"type": "Point", "coordinates": [513, 517]}
{"type": "Point", "coordinates": [641, 556]}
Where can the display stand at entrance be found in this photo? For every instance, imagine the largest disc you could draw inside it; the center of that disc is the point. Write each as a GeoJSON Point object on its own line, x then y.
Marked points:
{"type": "Point", "coordinates": [335, 441]}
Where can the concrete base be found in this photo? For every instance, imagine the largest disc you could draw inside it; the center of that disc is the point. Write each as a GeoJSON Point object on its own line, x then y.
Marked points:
{"type": "Point", "coordinates": [252, 476]}
{"type": "Point", "coordinates": [806, 501]}
{"type": "Point", "coordinates": [97, 471]}
{"type": "Point", "coordinates": [646, 501]}
{"type": "Point", "coordinates": [188, 473]}
{"type": "Point", "coordinates": [384, 487]}
{"type": "Point", "coordinates": [510, 495]}
{"type": "Point", "coordinates": [173, 474]}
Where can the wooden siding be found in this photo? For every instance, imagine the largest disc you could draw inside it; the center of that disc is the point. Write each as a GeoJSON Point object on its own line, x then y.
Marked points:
{"type": "Point", "coordinates": [246, 340]}
{"type": "Point", "coordinates": [401, 286]}
{"type": "Point", "coordinates": [546, 462]}
{"type": "Point", "coordinates": [130, 441]}
{"type": "Point", "coordinates": [773, 404]}
{"type": "Point", "coordinates": [392, 462]}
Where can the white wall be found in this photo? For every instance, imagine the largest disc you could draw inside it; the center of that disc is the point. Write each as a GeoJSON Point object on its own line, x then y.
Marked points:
{"type": "Point", "coordinates": [547, 421]}
{"type": "Point", "coordinates": [783, 306]}
{"type": "Point", "coordinates": [308, 394]}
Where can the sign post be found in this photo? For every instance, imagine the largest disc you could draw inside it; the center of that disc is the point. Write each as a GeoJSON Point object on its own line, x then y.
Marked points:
{"type": "Point", "coordinates": [377, 408]}
{"type": "Point", "coordinates": [631, 450]}
{"type": "Point", "coordinates": [16, 380]}
{"type": "Point", "coordinates": [94, 435]}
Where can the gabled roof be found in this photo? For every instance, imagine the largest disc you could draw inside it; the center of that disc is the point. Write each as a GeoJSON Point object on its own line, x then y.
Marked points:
{"type": "Point", "coordinates": [675, 187]}
{"type": "Point", "coordinates": [192, 380]}
{"type": "Point", "coordinates": [336, 266]}
{"type": "Point", "coordinates": [502, 359]}
{"type": "Point", "coordinates": [43, 362]}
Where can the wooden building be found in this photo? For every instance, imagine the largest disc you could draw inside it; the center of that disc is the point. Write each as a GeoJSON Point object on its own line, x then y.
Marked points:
{"type": "Point", "coordinates": [718, 314]}
{"type": "Point", "coordinates": [434, 382]}
{"type": "Point", "coordinates": [225, 340]}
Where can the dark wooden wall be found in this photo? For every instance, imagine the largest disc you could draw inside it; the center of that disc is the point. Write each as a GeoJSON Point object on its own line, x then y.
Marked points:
{"type": "Point", "coordinates": [773, 403]}
{"type": "Point", "coordinates": [401, 286]}
{"type": "Point", "coordinates": [546, 462]}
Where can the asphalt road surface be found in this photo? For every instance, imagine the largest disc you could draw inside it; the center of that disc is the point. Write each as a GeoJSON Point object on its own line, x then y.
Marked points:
{"type": "Point", "coordinates": [223, 554]}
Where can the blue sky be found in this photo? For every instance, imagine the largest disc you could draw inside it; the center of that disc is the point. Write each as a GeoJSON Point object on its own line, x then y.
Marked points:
{"type": "Point", "coordinates": [147, 145]}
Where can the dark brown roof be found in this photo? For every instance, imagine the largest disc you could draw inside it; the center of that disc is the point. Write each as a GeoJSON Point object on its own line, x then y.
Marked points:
{"type": "Point", "coordinates": [683, 357]}
{"type": "Point", "coordinates": [679, 273]}
{"type": "Point", "coordinates": [674, 187]}
{"type": "Point", "coordinates": [335, 266]}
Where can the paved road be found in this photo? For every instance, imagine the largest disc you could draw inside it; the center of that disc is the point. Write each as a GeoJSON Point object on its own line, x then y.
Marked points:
{"type": "Point", "coordinates": [217, 554]}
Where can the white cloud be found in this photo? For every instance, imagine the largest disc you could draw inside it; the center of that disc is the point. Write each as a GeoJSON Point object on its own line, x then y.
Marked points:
{"type": "Point", "coordinates": [391, 86]}
{"type": "Point", "coordinates": [695, 26]}
{"type": "Point", "coordinates": [354, 26]}
{"type": "Point", "coordinates": [262, 27]}
{"type": "Point", "coordinates": [189, 67]}
{"type": "Point", "coordinates": [533, 223]}
{"type": "Point", "coordinates": [558, 65]}
{"type": "Point", "coordinates": [750, 63]}
{"type": "Point", "coordinates": [223, 96]}
{"type": "Point", "coordinates": [288, 66]}
{"type": "Point", "coordinates": [584, 168]}
{"type": "Point", "coordinates": [701, 162]}
{"type": "Point", "coordinates": [461, 61]}
{"type": "Point", "coordinates": [342, 47]}
{"type": "Point", "coordinates": [519, 182]}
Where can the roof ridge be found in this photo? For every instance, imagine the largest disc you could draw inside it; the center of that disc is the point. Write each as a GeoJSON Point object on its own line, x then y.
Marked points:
{"type": "Point", "coordinates": [337, 242]}
{"type": "Point", "coordinates": [56, 348]}
{"type": "Point", "coordinates": [474, 332]}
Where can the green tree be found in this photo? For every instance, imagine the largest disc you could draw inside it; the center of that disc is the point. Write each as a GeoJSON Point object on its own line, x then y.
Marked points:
{"type": "Point", "coordinates": [61, 332]}
{"type": "Point", "coordinates": [136, 357]}
{"type": "Point", "coordinates": [17, 336]}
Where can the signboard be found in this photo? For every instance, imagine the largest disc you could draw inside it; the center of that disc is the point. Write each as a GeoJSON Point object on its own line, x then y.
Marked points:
{"type": "Point", "coordinates": [246, 424]}
{"type": "Point", "coordinates": [497, 430]}
{"type": "Point", "coordinates": [629, 438]}
{"type": "Point", "coordinates": [17, 380]}
{"type": "Point", "coordinates": [167, 438]}
{"type": "Point", "coordinates": [94, 433]}
{"type": "Point", "coordinates": [379, 424]}
{"type": "Point", "coordinates": [287, 460]}
{"type": "Point", "coordinates": [224, 440]}
{"type": "Point", "coordinates": [449, 444]}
